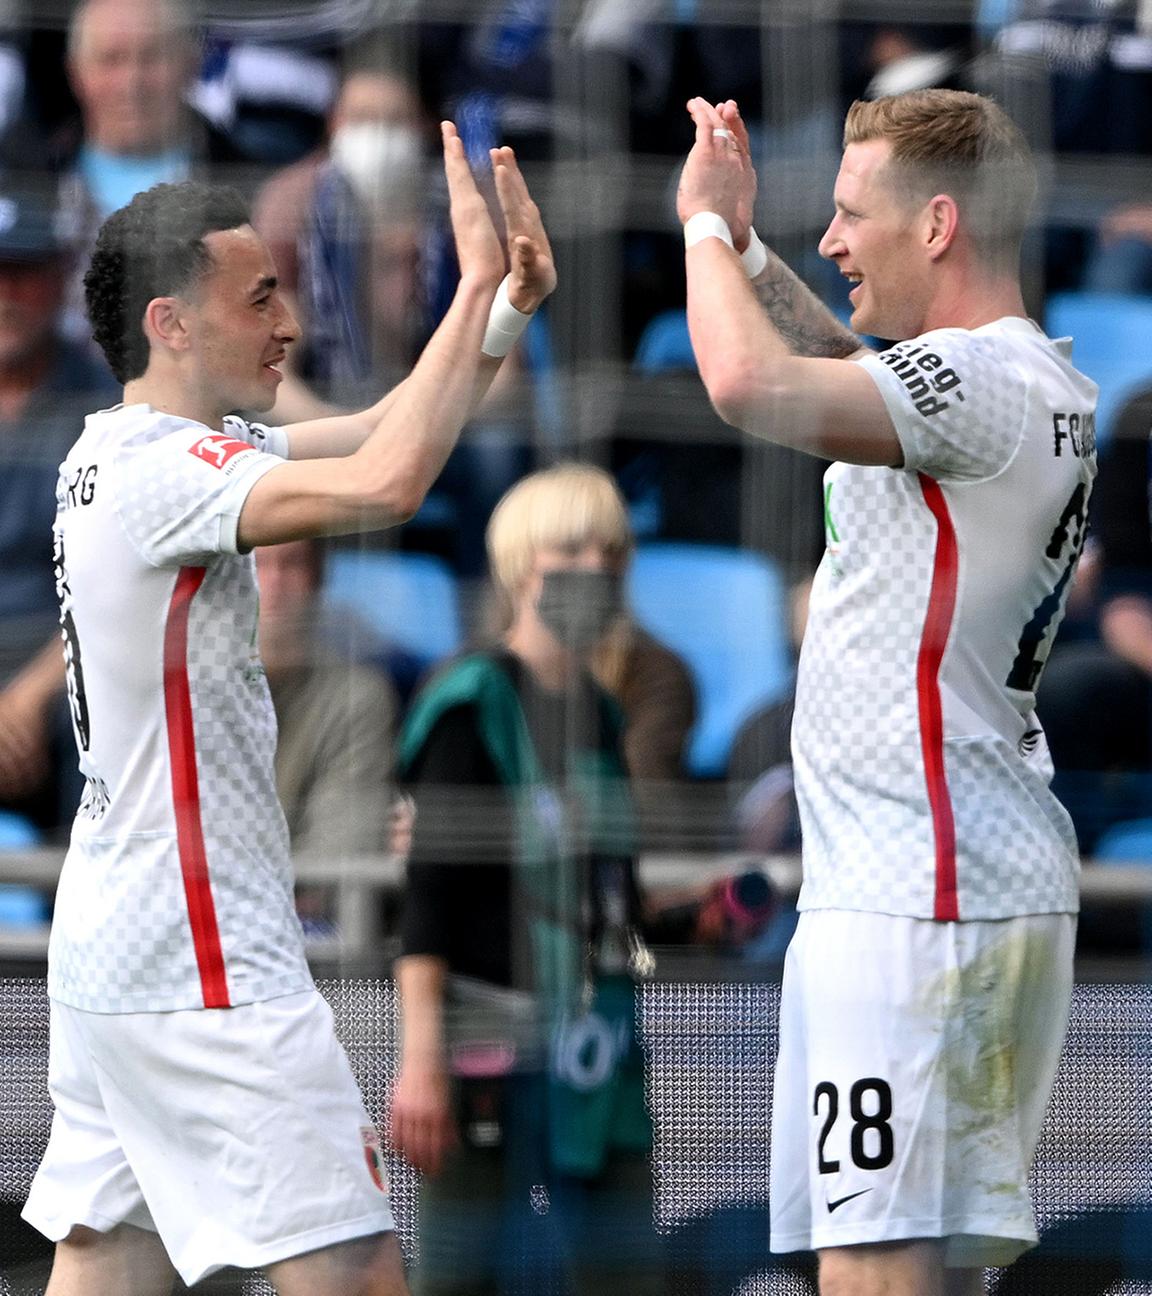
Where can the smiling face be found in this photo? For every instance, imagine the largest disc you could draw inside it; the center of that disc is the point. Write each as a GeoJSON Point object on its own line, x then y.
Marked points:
{"type": "Point", "coordinates": [873, 239]}
{"type": "Point", "coordinates": [239, 325]}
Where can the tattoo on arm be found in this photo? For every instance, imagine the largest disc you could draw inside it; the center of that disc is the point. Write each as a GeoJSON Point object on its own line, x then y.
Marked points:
{"type": "Point", "coordinates": [807, 326]}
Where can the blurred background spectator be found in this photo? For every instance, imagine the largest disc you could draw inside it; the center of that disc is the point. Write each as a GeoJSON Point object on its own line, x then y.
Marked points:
{"type": "Point", "coordinates": [348, 229]}
{"type": "Point", "coordinates": [336, 717]}
{"type": "Point", "coordinates": [521, 893]}
{"type": "Point", "coordinates": [336, 725]}
{"type": "Point", "coordinates": [130, 64]}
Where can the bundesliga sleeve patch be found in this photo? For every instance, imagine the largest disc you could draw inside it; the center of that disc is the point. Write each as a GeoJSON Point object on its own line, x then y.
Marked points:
{"type": "Point", "coordinates": [218, 449]}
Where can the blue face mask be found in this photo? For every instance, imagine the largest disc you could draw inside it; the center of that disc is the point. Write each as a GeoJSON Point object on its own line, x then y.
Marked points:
{"type": "Point", "coordinates": [579, 606]}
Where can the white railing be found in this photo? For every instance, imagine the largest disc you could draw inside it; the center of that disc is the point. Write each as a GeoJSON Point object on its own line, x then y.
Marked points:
{"type": "Point", "coordinates": [359, 882]}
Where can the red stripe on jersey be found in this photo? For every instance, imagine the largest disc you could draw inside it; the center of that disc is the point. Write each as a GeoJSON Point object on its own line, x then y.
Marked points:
{"type": "Point", "coordinates": [186, 792]}
{"type": "Point", "coordinates": [937, 624]}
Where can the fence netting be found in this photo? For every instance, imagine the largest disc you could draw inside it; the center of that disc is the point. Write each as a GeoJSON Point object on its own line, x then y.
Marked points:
{"type": "Point", "coordinates": [710, 1048]}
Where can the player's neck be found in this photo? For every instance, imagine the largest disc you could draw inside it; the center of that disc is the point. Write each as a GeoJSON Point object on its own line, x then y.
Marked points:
{"type": "Point", "coordinates": [973, 302]}
{"type": "Point", "coordinates": [170, 396]}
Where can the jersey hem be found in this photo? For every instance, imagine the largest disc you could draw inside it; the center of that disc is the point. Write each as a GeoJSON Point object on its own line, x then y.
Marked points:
{"type": "Point", "coordinates": [973, 1231]}
{"type": "Point", "coordinates": [1028, 910]}
{"type": "Point", "coordinates": [177, 1003]}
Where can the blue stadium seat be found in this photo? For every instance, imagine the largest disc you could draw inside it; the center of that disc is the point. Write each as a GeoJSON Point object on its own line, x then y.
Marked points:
{"type": "Point", "coordinates": [20, 906]}
{"type": "Point", "coordinates": [17, 832]}
{"type": "Point", "coordinates": [725, 612]}
{"type": "Point", "coordinates": [1109, 343]}
{"type": "Point", "coordinates": [665, 344]}
{"type": "Point", "coordinates": [1129, 842]}
{"type": "Point", "coordinates": [410, 599]}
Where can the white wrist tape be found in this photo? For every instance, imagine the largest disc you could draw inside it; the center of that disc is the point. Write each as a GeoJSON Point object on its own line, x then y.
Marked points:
{"type": "Point", "coordinates": [505, 324]}
{"type": "Point", "coordinates": [706, 225]}
{"type": "Point", "coordinates": [755, 255]}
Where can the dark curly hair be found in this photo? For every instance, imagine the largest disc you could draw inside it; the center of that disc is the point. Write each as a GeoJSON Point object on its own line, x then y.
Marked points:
{"type": "Point", "coordinates": [153, 247]}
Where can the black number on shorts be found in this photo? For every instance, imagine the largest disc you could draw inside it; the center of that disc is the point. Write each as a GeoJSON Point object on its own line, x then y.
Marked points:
{"type": "Point", "coordinates": [826, 1090]}
{"type": "Point", "coordinates": [865, 1121]}
{"type": "Point", "coordinates": [862, 1122]}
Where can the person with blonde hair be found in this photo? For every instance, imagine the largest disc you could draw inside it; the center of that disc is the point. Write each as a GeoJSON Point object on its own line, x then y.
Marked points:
{"type": "Point", "coordinates": [521, 1088]}
{"type": "Point", "coordinates": [926, 992]}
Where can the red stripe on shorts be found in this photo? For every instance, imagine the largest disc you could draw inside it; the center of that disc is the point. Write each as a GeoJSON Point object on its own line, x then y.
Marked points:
{"type": "Point", "coordinates": [934, 639]}
{"type": "Point", "coordinates": [186, 792]}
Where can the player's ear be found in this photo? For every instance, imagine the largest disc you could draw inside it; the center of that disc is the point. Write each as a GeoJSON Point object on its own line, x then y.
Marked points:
{"type": "Point", "coordinates": [166, 324]}
{"type": "Point", "coordinates": [941, 221]}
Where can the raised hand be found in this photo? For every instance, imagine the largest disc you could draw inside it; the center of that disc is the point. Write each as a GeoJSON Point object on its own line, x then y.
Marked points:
{"type": "Point", "coordinates": [478, 247]}
{"type": "Point", "coordinates": [531, 264]}
{"type": "Point", "coordinates": [718, 174]}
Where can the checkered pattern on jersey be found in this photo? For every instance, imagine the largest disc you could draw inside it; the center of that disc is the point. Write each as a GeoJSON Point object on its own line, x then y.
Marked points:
{"type": "Point", "coordinates": [120, 935]}
{"type": "Point", "coordinates": [860, 783]}
{"type": "Point", "coordinates": [245, 835]}
{"type": "Point", "coordinates": [958, 401]}
{"type": "Point", "coordinates": [1018, 839]}
{"type": "Point", "coordinates": [180, 495]}
{"type": "Point", "coordinates": [709, 1050]}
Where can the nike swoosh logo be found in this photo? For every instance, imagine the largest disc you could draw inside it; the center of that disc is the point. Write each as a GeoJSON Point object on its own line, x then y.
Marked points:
{"type": "Point", "coordinates": [833, 1205]}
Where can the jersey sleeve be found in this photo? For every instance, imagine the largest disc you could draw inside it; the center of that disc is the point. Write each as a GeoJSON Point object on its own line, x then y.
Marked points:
{"type": "Point", "coordinates": [957, 402]}
{"type": "Point", "coordinates": [180, 496]}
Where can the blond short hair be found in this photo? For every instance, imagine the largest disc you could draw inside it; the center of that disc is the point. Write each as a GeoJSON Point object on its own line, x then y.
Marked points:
{"type": "Point", "coordinates": [566, 506]}
{"type": "Point", "coordinates": [961, 144]}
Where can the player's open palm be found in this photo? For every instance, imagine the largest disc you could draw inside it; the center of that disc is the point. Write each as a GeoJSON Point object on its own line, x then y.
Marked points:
{"type": "Point", "coordinates": [423, 1129]}
{"type": "Point", "coordinates": [478, 247]}
{"type": "Point", "coordinates": [532, 267]}
{"type": "Point", "coordinates": [718, 174]}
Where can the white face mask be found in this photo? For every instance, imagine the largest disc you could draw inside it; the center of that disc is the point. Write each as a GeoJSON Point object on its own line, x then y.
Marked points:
{"type": "Point", "coordinates": [383, 162]}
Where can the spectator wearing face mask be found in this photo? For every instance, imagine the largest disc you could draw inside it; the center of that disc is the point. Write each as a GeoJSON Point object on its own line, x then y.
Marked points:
{"type": "Point", "coordinates": [521, 1087]}
{"type": "Point", "coordinates": [346, 227]}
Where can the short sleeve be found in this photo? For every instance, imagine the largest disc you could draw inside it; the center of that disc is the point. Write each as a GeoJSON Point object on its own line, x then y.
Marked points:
{"type": "Point", "coordinates": [179, 497]}
{"type": "Point", "coordinates": [958, 402]}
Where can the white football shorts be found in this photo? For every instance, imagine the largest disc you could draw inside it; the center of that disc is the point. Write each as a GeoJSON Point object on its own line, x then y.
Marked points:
{"type": "Point", "coordinates": [236, 1134]}
{"type": "Point", "coordinates": [916, 1062]}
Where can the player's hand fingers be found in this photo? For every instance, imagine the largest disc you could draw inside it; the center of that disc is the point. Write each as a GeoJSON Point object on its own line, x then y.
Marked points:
{"type": "Point", "coordinates": [521, 212]}
{"type": "Point", "coordinates": [735, 123]}
{"type": "Point", "coordinates": [456, 169]}
{"type": "Point", "coordinates": [707, 119]}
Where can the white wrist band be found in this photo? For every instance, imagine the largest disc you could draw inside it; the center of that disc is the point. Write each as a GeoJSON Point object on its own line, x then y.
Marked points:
{"type": "Point", "coordinates": [755, 255]}
{"type": "Point", "coordinates": [505, 324]}
{"type": "Point", "coordinates": [706, 225]}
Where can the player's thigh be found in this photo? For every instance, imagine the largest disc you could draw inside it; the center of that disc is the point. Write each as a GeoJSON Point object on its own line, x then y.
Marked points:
{"type": "Point", "coordinates": [912, 1268]}
{"type": "Point", "coordinates": [125, 1261]}
{"type": "Point", "coordinates": [368, 1266]}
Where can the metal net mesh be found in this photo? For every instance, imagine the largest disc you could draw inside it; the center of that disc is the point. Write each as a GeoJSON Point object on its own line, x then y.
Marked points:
{"type": "Point", "coordinates": [710, 1049]}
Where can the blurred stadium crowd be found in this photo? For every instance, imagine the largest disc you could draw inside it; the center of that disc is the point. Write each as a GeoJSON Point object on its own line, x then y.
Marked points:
{"type": "Point", "coordinates": [323, 112]}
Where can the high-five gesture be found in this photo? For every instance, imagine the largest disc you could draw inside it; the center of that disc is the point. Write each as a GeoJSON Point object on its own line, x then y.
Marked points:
{"type": "Point", "coordinates": [532, 267]}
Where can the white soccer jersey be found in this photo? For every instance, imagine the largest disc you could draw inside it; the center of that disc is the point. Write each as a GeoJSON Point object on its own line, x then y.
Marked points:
{"type": "Point", "coordinates": [177, 888]}
{"type": "Point", "coordinates": [922, 772]}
